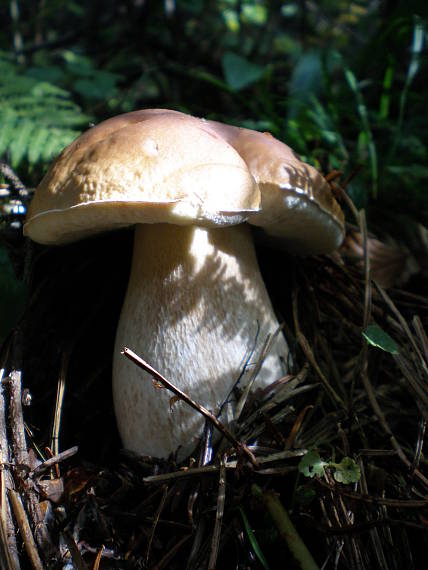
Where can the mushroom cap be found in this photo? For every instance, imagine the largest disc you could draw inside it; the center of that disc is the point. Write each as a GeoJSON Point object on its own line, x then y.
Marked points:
{"type": "Point", "coordinates": [297, 204]}
{"type": "Point", "coordinates": [162, 166]}
{"type": "Point", "coordinates": [150, 166]}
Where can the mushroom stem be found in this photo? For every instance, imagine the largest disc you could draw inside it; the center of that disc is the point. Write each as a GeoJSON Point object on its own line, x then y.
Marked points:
{"type": "Point", "coordinates": [194, 302]}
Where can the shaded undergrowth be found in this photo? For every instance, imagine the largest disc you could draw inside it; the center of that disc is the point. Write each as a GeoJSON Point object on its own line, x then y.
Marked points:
{"type": "Point", "coordinates": [338, 441]}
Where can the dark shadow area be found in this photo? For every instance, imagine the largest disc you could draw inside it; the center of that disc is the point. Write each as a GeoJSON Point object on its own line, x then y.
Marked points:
{"type": "Point", "coordinates": [76, 296]}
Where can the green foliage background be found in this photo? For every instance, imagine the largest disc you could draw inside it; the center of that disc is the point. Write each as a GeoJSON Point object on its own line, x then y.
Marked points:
{"type": "Point", "coordinates": [342, 82]}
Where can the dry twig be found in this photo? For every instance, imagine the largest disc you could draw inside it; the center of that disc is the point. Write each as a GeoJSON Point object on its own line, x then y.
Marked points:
{"type": "Point", "coordinates": [203, 411]}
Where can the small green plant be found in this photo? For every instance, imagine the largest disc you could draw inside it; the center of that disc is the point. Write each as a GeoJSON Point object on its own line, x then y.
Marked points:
{"type": "Point", "coordinates": [346, 471]}
{"type": "Point", "coordinates": [375, 336]}
{"type": "Point", "coordinates": [37, 118]}
{"type": "Point", "coordinates": [253, 540]}
{"type": "Point", "coordinates": [344, 113]}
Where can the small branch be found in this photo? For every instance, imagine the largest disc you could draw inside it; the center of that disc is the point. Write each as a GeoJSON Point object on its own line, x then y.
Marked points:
{"type": "Point", "coordinates": [210, 469]}
{"type": "Point", "coordinates": [8, 536]}
{"type": "Point", "coordinates": [54, 461]}
{"type": "Point", "coordinates": [24, 527]}
{"type": "Point", "coordinates": [19, 443]}
{"type": "Point", "coordinates": [8, 558]}
{"type": "Point", "coordinates": [203, 411]}
{"type": "Point", "coordinates": [19, 446]}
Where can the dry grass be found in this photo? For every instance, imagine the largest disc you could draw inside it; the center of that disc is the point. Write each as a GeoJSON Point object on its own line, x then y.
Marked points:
{"type": "Point", "coordinates": [102, 508]}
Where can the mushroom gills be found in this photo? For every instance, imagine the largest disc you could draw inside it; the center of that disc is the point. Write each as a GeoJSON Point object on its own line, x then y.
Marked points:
{"type": "Point", "coordinates": [194, 303]}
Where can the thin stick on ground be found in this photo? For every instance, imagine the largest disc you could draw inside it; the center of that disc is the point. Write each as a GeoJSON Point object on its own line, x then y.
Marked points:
{"type": "Point", "coordinates": [24, 527]}
{"type": "Point", "coordinates": [19, 443]}
{"type": "Point", "coordinates": [54, 461]}
{"type": "Point", "coordinates": [20, 450]}
{"type": "Point", "coordinates": [7, 561]}
{"type": "Point", "coordinates": [8, 536]}
{"type": "Point", "coordinates": [203, 411]}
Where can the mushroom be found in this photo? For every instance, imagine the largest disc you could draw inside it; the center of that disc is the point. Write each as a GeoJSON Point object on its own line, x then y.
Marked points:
{"type": "Point", "coordinates": [196, 303]}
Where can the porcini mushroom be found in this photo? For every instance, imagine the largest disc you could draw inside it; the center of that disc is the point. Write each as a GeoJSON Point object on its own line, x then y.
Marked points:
{"type": "Point", "coordinates": [296, 203]}
{"type": "Point", "coordinates": [195, 298]}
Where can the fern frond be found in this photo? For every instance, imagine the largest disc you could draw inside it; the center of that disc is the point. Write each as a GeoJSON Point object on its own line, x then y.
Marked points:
{"type": "Point", "coordinates": [37, 118]}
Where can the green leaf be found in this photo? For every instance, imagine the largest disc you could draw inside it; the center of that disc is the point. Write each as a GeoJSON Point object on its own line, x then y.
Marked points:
{"type": "Point", "coordinates": [38, 143]}
{"type": "Point", "coordinates": [414, 64]}
{"type": "Point", "coordinates": [347, 471]}
{"type": "Point", "coordinates": [100, 85]}
{"type": "Point", "coordinates": [411, 171]}
{"type": "Point", "coordinates": [312, 465]}
{"type": "Point", "coordinates": [377, 337]}
{"type": "Point", "coordinates": [19, 145]}
{"type": "Point", "coordinates": [239, 72]}
{"type": "Point", "coordinates": [78, 65]}
{"type": "Point", "coordinates": [385, 99]}
{"type": "Point", "coordinates": [44, 89]}
{"type": "Point", "coordinates": [37, 118]}
{"type": "Point", "coordinates": [50, 73]}
{"type": "Point", "coordinates": [366, 138]}
{"type": "Point", "coordinates": [254, 14]}
{"type": "Point", "coordinates": [306, 78]}
{"type": "Point", "coordinates": [232, 20]}
{"type": "Point", "coordinates": [253, 540]}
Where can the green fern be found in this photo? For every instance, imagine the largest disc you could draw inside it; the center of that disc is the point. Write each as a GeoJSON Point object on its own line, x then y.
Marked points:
{"type": "Point", "coordinates": [37, 119]}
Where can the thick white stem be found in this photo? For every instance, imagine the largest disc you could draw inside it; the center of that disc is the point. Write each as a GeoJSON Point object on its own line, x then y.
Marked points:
{"type": "Point", "coordinates": [194, 302]}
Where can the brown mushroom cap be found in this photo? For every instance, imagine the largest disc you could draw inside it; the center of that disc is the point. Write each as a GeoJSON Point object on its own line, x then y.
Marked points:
{"type": "Point", "coordinates": [297, 204]}
{"type": "Point", "coordinates": [162, 166]}
{"type": "Point", "coordinates": [144, 167]}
